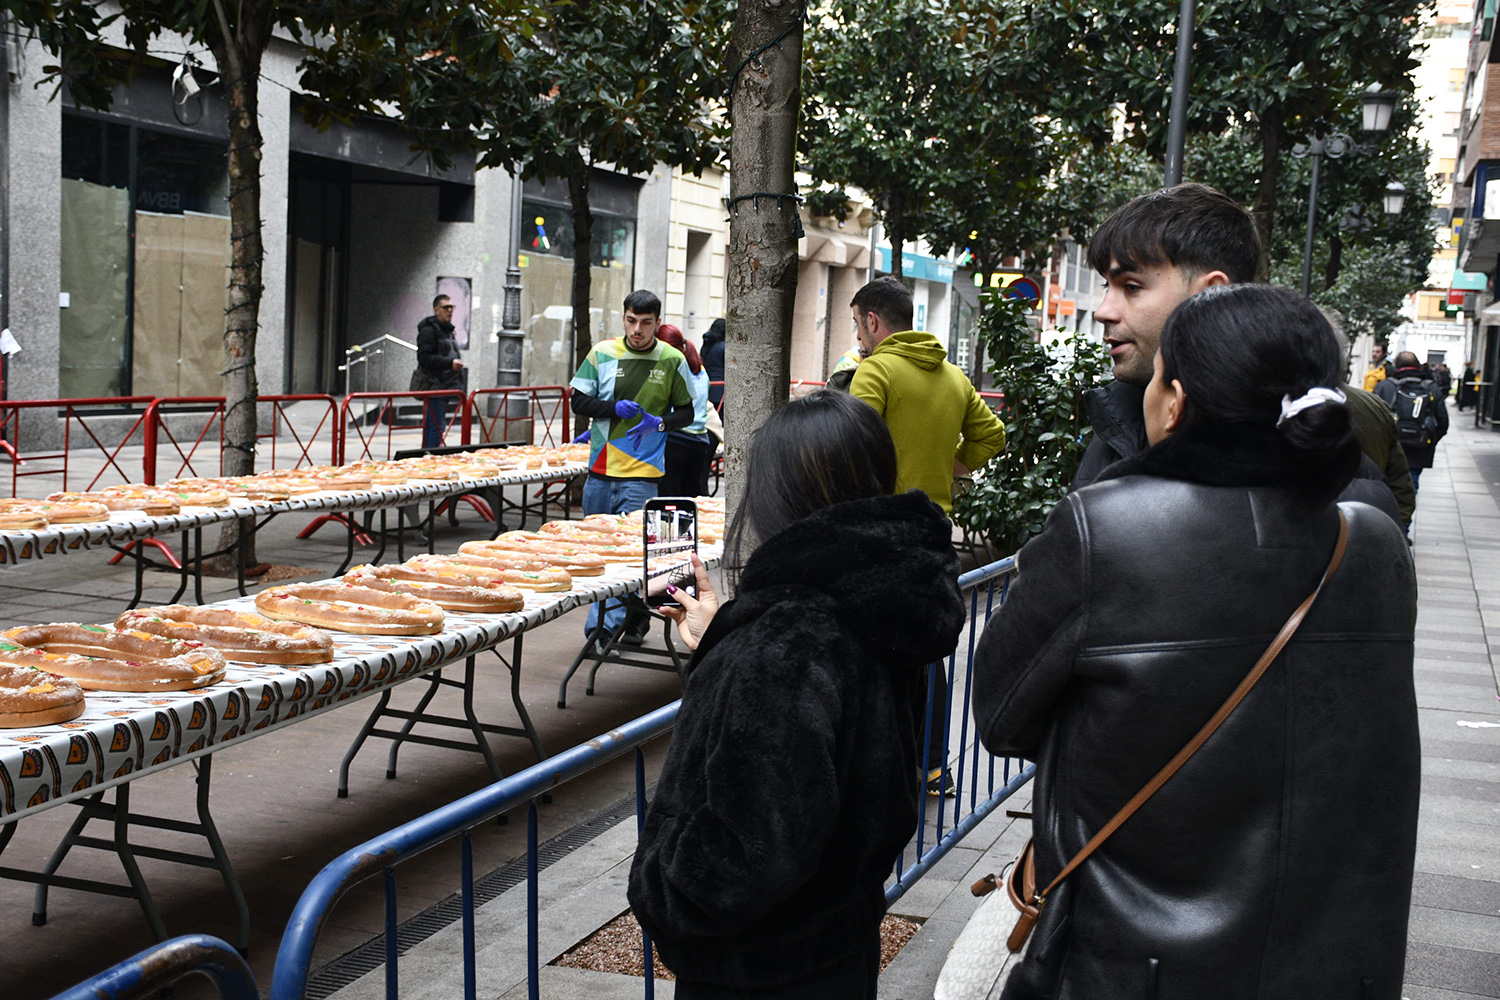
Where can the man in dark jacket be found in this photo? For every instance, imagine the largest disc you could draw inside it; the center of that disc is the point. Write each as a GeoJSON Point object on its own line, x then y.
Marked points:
{"type": "Point", "coordinates": [1154, 253]}
{"type": "Point", "coordinates": [1411, 387]}
{"type": "Point", "coordinates": [438, 358]}
{"type": "Point", "coordinates": [713, 363]}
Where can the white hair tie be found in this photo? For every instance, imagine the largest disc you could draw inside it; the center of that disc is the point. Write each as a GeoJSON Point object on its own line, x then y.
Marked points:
{"type": "Point", "coordinates": [1315, 396]}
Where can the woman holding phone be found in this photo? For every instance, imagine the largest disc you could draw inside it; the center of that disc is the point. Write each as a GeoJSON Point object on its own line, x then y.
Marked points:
{"type": "Point", "coordinates": [791, 784]}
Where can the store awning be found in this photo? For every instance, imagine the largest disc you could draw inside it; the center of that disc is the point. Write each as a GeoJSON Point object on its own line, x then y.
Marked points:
{"type": "Point", "coordinates": [1469, 281]}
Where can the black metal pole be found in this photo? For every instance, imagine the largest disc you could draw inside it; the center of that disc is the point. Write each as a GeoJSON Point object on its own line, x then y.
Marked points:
{"type": "Point", "coordinates": [1312, 218]}
{"type": "Point", "coordinates": [1177, 123]}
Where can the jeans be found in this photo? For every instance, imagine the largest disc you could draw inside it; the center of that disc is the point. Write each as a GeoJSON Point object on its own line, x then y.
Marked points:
{"type": "Point", "coordinates": [613, 496]}
{"type": "Point", "coordinates": [434, 421]}
{"type": "Point", "coordinates": [1416, 478]}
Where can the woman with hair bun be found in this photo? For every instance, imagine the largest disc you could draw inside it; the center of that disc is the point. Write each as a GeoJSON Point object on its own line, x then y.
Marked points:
{"type": "Point", "coordinates": [1277, 861]}
{"type": "Point", "coordinates": [791, 783]}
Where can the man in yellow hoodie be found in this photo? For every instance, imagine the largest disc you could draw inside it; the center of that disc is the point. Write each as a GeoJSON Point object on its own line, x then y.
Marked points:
{"type": "Point", "coordinates": [940, 425]}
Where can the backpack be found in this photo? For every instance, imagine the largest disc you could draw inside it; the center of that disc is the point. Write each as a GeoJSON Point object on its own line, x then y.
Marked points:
{"type": "Point", "coordinates": [1416, 418]}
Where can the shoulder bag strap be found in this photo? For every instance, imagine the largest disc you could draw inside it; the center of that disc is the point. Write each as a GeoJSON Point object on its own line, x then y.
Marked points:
{"type": "Point", "coordinates": [1274, 650]}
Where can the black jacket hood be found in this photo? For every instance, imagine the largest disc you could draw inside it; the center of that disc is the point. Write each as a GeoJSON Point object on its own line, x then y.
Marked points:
{"type": "Point", "coordinates": [860, 557]}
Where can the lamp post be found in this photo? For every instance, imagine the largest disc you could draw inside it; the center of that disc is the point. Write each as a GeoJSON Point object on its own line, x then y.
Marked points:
{"type": "Point", "coordinates": [1376, 117]}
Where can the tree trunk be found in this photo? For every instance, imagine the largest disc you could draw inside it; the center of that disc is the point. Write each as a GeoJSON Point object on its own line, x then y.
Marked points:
{"type": "Point", "coordinates": [1265, 194]}
{"type": "Point", "coordinates": [762, 265]}
{"type": "Point", "coordinates": [583, 259]}
{"type": "Point", "coordinates": [895, 228]}
{"type": "Point", "coordinates": [238, 51]}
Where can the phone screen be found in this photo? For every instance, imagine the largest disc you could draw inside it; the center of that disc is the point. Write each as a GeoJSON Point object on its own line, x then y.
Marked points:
{"type": "Point", "coordinates": [669, 528]}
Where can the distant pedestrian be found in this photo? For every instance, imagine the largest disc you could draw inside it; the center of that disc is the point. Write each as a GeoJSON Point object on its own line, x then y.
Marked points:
{"type": "Point", "coordinates": [790, 785]}
{"type": "Point", "coordinates": [439, 366]}
{"type": "Point", "coordinates": [1421, 417]}
{"type": "Point", "coordinates": [713, 363]}
{"type": "Point", "coordinates": [1466, 387]}
{"type": "Point", "coordinates": [1443, 378]}
{"type": "Point", "coordinates": [1277, 862]}
{"type": "Point", "coordinates": [843, 369]}
{"type": "Point", "coordinates": [1380, 367]}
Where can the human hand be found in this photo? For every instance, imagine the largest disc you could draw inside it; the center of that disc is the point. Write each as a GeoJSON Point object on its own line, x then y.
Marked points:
{"type": "Point", "coordinates": [581, 438]}
{"type": "Point", "coordinates": [626, 408]}
{"type": "Point", "coordinates": [457, 364]}
{"type": "Point", "coordinates": [694, 615]}
{"type": "Point", "coordinates": [650, 424]}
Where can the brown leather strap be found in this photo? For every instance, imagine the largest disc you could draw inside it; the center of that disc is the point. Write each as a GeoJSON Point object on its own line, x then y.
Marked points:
{"type": "Point", "coordinates": [1274, 650]}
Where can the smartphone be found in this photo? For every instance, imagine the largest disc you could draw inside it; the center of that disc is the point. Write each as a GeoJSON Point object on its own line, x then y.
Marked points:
{"type": "Point", "coordinates": [669, 538]}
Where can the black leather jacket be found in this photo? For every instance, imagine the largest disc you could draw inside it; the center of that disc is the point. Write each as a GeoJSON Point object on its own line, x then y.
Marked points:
{"type": "Point", "coordinates": [1278, 862]}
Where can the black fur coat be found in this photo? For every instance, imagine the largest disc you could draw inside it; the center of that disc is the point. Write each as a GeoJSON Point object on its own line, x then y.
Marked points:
{"type": "Point", "coordinates": [791, 783]}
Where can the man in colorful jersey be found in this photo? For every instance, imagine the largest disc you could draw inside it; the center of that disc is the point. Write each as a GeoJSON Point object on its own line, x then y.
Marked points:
{"type": "Point", "coordinates": [634, 388]}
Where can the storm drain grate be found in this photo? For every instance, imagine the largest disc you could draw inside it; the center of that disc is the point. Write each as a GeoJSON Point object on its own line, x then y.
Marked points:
{"type": "Point", "coordinates": [371, 955]}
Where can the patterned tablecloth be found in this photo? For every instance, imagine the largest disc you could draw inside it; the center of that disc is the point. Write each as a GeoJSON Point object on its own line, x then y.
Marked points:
{"type": "Point", "coordinates": [123, 526]}
{"type": "Point", "coordinates": [122, 736]}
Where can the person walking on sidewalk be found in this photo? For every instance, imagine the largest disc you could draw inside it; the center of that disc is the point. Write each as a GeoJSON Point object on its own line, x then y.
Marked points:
{"type": "Point", "coordinates": [441, 365]}
{"type": "Point", "coordinates": [790, 785]}
{"type": "Point", "coordinates": [635, 389]}
{"type": "Point", "coordinates": [1277, 862]}
{"type": "Point", "coordinates": [1421, 416]}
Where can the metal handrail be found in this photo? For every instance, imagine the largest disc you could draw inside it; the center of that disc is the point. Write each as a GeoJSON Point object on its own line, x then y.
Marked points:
{"type": "Point", "coordinates": [364, 349]}
{"type": "Point", "coordinates": [146, 972]}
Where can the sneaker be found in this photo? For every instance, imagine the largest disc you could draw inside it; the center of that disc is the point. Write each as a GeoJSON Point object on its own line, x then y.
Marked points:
{"type": "Point", "coordinates": [636, 635]}
{"type": "Point", "coordinates": [940, 783]}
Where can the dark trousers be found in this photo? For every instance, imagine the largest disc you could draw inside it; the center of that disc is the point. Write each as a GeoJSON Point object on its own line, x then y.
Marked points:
{"type": "Point", "coordinates": [688, 464]}
{"type": "Point", "coordinates": [434, 421]}
{"type": "Point", "coordinates": [850, 978]}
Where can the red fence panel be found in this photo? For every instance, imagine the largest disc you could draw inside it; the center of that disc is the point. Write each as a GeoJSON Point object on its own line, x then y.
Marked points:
{"type": "Point", "coordinates": [86, 459]}
{"type": "Point", "coordinates": [379, 409]}
{"type": "Point", "coordinates": [524, 414]}
{"type": "Point", "coordinates": [192, 445]}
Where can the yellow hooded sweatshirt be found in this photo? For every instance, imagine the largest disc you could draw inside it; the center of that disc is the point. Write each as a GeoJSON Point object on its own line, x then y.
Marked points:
{"type": "Point", "coordinates": [933, 413]}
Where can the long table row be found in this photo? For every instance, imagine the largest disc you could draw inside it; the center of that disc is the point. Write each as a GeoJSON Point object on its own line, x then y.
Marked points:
{"type": "Point", "coordinates": [126, 526]}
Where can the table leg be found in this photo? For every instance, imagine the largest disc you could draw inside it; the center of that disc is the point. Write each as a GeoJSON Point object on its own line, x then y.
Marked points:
{"type": "Point", "coordinates": [434, 681]}
{"type": "Point", "coordinates": [475, 726]}
{"type": "Point", "coordinates": [515, 697]}
{"type": "Point", "coordinates": [359, 741]}
{"type": "Point", "coordinates": [210, 831]}
{"type": "Point", "coordinates": [126, 854]}
{"type": "Point", "coordinates": [39, 901]}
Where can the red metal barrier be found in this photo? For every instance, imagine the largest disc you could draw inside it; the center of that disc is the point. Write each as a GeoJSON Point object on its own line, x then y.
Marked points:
{"type": "Point", "coordinates": [524, 414]}
{"type": "Point", "coordinates": [379, 408]}
{"type": "Point", "coordinates": [200, 420]}
{"type": "Point", "coordinates": [81, 437]}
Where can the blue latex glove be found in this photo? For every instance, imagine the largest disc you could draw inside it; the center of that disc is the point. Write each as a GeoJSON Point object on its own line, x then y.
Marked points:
{"type": "Point", "coordinates": [580, 439]}
{"type": "Point", "coordinates": [649, 424]}
{"type": "Point", "coordinates": [627, 408]}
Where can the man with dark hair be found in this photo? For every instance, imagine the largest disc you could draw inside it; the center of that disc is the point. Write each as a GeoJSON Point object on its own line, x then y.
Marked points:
{"type": "Point", "coordinates": [940, 425]}
{"type": "Point", "coordinates": [634, 388]}
{"type": "Point", "coordinates": [439, 361]}
{"type": "Point", "coordinates": [1380, 367]}
{"type": "Point", "coordinates": [1154, 253]}
{"type": "Point", "coordinates": [1421, 417]}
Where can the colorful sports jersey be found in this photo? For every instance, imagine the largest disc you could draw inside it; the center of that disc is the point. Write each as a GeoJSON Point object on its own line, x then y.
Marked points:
{"type": "Point", "coordinates": [658, 379]}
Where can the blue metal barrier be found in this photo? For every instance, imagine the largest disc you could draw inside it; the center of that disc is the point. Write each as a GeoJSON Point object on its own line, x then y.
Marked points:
{"type": "Point", "coordinates": [985, 589]}
{"type": "Point", "coordinates": [143, 974]}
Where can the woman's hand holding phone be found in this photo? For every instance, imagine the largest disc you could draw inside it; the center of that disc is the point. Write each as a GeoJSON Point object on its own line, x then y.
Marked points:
{"type": "Point", "coordinates": [694, 615]}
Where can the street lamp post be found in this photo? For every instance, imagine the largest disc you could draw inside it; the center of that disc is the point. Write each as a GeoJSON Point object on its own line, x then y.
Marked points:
{"type": "Point", "coordinates": [1376, 117]}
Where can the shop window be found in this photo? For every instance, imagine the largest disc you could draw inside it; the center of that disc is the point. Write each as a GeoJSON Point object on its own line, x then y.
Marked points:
{"type": "Point", "coordinates": [144, 257]}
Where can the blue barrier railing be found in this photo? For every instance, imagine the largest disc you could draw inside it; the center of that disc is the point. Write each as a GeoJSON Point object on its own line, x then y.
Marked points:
{"type": "Point", "coordinates": [974, 798]}
{"type": "Point", "coordinates": [144, 974]}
